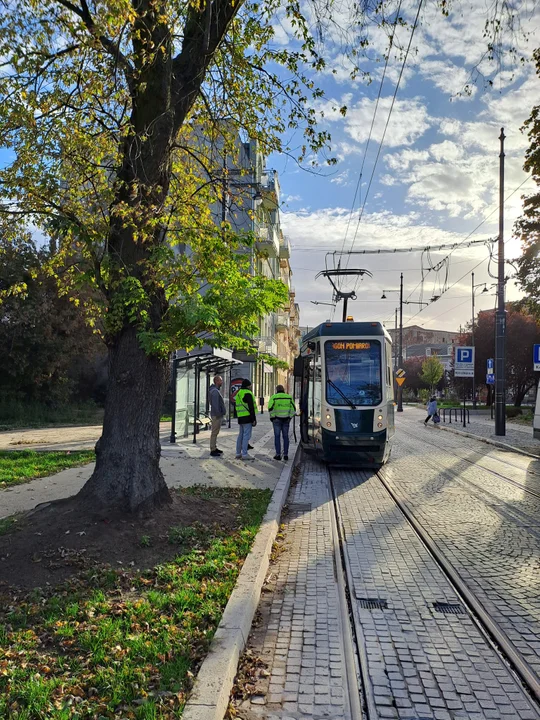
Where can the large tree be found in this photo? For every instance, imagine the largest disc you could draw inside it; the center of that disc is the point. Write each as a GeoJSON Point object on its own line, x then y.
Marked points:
{"type": "Point", "coordinates": [119, 116]}
{"type": "Point", "coordinates": [116, 114]}
{"type": "Point", "coordinates": [528, 226]}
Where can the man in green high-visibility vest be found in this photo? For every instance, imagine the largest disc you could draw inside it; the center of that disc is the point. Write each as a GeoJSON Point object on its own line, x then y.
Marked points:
{"type": "Point", "coordinates": [245, 412]}
{"type": "Point", "coordinates": [282, 409]}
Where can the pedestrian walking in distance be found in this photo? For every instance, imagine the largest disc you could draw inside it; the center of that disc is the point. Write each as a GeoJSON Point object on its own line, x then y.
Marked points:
{"type": "Point", "coordinates": [282, 409]}
{"type": "Point", "coordinates": [245, 412]}
{"type": "Point", "coordinates": [431, 408]}
{"type": "Point", "coordinates": [217, 413]}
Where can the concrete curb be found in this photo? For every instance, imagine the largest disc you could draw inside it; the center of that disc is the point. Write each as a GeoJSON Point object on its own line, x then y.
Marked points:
{"type": "Point", "coordinates": [496, 443]}
{"type": "Point", "coordinates": [210, 696]}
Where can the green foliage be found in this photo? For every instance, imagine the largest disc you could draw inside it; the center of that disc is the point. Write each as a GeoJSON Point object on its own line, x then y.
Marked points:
{"type": "Point", "coordinates": [432, 371]}
{"type": "Point", "coordinates": [528, 226]}
{"type": "Point", "coordinates": [48, 352]}
{"type": "Point", "coordinates": [117, 150]}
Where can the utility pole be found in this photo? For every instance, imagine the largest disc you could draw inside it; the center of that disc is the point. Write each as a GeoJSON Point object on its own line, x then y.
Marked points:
{"type": "Point", "coordinates": [500, 317]}
{"type": "Point", "coordinates": [472, 336]}
{"type": "Point", "coordinates": [400, 389]}
{"type": "Point", "coordinates": [395, 341]}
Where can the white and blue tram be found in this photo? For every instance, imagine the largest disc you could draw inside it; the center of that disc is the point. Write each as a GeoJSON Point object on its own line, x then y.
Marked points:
{"type": "Point", "coordinates": [344, 382]}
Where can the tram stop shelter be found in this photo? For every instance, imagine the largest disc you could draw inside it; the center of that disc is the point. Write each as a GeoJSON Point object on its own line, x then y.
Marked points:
{"type": "Point", "coordinates": [192, 374]}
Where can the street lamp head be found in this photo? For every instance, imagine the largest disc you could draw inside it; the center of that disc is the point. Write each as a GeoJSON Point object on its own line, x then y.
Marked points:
{"type": "Point", "coordinates": [485, 290]}
{"type": "Point", "coordinates": [383, 297]}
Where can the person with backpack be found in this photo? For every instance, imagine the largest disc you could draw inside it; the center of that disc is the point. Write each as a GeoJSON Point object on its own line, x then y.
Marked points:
{"type": "Point", "coordinates": [282, 409]}
{"type": "Point", "coordinates": [431, 408]}
{"type": "Point", "coordinates": [245, 412]}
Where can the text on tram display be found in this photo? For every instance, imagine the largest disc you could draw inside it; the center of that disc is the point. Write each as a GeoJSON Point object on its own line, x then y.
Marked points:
{"type": "Point", "coordinates": [351, 346]}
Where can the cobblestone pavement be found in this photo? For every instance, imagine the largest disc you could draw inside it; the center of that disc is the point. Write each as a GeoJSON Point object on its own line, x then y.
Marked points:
{"type": "Point", "coordinates": [299, 632]}
{"type": "Point", "coordinates": [183, 464]}
{"type": "Point", "coordinates": [487, 527]}
{"type": "Point", "coordinates": [518, 436]}
{"type": "Point", "coordinates": [421, 663]}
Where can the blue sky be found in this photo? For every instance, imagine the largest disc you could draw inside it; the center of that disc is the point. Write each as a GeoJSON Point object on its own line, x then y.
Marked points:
{"type": "Point", "coordinates": [437, 175]}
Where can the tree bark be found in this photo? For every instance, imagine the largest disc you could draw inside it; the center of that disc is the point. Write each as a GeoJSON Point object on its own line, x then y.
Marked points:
{"type": "Point", "coordinates": [127, 475]}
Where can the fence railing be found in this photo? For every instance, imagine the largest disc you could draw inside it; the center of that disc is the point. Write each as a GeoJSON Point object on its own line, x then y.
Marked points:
{"type": "Point", "coordinates": [456, 411]}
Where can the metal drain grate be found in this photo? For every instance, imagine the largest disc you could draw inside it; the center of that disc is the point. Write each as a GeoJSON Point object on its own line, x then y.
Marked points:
{"type": "Point", "coordinates": [373, 603]}
{"type": "Point", "coordinates": [449, 608]}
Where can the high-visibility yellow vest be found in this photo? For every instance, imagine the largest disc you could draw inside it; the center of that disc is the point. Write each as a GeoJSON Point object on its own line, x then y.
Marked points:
{"type": "Point", "coordinates": [281, 405]}
{"type": "Point", "coordinates": [242, 408]}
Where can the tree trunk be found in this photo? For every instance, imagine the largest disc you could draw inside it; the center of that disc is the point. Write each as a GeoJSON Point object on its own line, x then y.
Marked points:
{"type": "Point", "coordinates": [127, 475]}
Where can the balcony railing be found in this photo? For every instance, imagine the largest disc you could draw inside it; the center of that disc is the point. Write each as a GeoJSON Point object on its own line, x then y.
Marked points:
{"type": "Point", "coordinates": [282, 321]}
{"type": "Point", "coordinates": [267, 240]}
{"type": "Point", "coordinates": [284, 249]}
{"type": "Point", "coordinates": [267, 345]}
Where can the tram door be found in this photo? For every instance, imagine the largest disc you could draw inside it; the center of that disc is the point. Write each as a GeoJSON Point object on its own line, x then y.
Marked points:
{"type": "Point", "coordinates": [302, 375]}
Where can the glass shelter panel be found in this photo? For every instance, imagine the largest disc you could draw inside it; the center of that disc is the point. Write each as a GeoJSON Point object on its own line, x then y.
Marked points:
{"type": "Point", "coordinates": [353, 372]}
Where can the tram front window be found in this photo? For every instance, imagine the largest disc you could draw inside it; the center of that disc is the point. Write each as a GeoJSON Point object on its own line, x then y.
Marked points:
{"type": "Point", "coordinates": [353, 372]}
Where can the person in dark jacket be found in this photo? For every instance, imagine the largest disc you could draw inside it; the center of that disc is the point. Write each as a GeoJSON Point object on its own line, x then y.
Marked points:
{"type": "Point", "coordinates": [245, 412]}
{"type": "Point", "coordinates": [217, 413]}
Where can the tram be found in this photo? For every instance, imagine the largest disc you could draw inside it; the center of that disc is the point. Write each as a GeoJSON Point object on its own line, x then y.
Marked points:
{"type": "Point", "coordinates": [344, 382]}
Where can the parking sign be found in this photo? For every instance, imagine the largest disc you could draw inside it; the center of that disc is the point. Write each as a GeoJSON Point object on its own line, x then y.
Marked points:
{"type": "Point", "coordinates": [464, 362]}
{"type": "Point", "coordinates": [536, 357]}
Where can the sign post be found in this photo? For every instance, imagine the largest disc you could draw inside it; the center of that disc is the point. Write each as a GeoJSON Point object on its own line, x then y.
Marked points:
{"type": "Point", "coordinates": [536, 421]}
{"type": "Point", "coordinates": [464, 367]}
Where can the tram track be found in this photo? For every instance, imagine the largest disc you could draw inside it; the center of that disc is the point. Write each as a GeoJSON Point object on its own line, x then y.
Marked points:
{"type": "Point", "coordinates": [524, 675]}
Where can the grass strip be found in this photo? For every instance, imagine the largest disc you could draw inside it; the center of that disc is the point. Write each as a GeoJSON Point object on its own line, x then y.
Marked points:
{"type": "Point", "coordinates": [21, 466]}
{"type": "Point", "coordinates": [125, 644]}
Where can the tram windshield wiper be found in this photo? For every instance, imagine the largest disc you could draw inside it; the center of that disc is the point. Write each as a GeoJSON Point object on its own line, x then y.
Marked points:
{"type": "Point", "coordinates": [347, 400]}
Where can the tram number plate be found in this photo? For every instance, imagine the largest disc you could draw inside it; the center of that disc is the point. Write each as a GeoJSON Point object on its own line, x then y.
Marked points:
{"type": "Point", "coordinates": [351, 346]}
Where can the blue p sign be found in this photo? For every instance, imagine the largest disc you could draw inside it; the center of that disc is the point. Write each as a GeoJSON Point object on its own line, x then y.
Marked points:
{"type": "Point", "coordinates": [464, 355]}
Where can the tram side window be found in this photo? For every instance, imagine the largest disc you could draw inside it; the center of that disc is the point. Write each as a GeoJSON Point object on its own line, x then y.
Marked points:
{"type": "Point", "coordinates": [353, 372]}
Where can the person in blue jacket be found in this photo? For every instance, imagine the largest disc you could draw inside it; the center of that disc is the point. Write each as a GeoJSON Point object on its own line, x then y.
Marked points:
{"type": "Point", "coordinates": [431, 408]}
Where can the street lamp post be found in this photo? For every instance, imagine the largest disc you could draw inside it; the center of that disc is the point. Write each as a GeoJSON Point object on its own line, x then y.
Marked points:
{"type": "Point", "coordinates": [402, 302]}
{"type": "Point", "coordinates": [500, 315]}
{"type": "Point", "coordinates": [485, 290]}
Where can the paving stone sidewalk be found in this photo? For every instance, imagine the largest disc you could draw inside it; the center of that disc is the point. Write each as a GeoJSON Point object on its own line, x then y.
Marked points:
{"type": "Point", "coordinates": [299, 632]}
{"type": "Point", "coordinates": [518, 436]}
{"type": "Point", "coordinates": [183, 463]}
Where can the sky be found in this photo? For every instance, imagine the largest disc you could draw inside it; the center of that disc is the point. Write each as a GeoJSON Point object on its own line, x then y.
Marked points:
{"type": "Point", "coordinates": [436, 179]}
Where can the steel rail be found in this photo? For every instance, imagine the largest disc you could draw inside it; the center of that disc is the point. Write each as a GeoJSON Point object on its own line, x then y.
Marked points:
{"type": "Point", "coordinates": [478, 612]}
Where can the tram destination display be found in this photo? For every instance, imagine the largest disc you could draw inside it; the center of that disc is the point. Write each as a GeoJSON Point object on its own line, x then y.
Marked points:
{"type": "Point", "coordinates": [351, 345]}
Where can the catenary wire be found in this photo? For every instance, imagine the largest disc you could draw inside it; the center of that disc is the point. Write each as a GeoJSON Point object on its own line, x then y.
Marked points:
{"type": "Point", "coordinates": [372, 125]}
{"type": "Point", "coordinates": [387, 123]}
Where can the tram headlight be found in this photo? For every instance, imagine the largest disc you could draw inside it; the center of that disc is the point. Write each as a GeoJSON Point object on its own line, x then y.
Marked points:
{"type": "Point", "coordinates": [328, 417]}
{"type": "Point", "coordinates": [328, 424]}
{"type": "Point", "coordinates": [379, 417]}
{"type": "Point", "coordinates": [379, 425]}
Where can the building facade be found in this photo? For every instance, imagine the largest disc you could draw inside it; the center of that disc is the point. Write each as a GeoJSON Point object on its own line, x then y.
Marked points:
{"type": "Point", "coordinates": [250, 203]}
{"type": "Point", "coordinates": [416, 335]}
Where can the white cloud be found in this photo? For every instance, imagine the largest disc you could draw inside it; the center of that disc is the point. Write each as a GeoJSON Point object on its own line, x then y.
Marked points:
{"type": "Point", "coordinates": [341, 179]}
{"type": "Point", "coordinates": [408, 122]}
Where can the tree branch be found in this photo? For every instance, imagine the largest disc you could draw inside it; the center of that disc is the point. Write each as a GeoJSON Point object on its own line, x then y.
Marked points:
{"type": "Point", "coordinates": [109, 45]}
{"type": "Point", "coordinates": [201, 40]}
